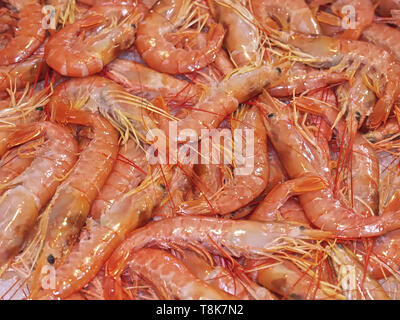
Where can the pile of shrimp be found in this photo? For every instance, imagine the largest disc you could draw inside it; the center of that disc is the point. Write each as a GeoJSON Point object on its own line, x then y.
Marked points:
{"type": "Point", "coordinates": [117, 116]}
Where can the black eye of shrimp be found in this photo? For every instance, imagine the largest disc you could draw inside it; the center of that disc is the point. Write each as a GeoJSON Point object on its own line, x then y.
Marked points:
{"type": "Point", "coordinates": [271, 115]}
{"type": "Point", "coordinates": [51, 259]}
{"type": "Point", "coordinates": [358, 116]}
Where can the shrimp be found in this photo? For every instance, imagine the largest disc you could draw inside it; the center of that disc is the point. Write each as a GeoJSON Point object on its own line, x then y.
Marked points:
{"type": "Point", "coordinates": [389, 130]}
{"type": "Point", "coordinates": [385, 7]}
{"type": "Point", "coordinates": [267, 210]}
{"type": "Point", "coordinates": [69, 208]}
{"type": "Point", "coordinates": [102, 236]}
{"type": "Point", "coordinates": [238, 237]}
{"type": "Point", "coordinates": [224, 99]}
{"type": "Point", "coordinates": [373, 62]}
{"type": "Point", "coordinates": [25, 72]}
{"type": "Point", "coordinates": [243, 188]}
{"type": "Point", "coordinates": [160, 53]}
{"type": "Point", "coordinates": [242, 38]}
{"type": "Point", "coordinates": [322, 208]}
{"type": "Point", "coordinates": [29, 34]}
{"type": "Point", "coordinates": [171, 278]}
{"type": "Point", "coordinates": [384, 36]}
{"type": "Point", "coordinates": [285, 279]}
{"type": "Point", "coordinates": [100, 95]}
{"type": "Point", "coordinates": [291, 14]}
{"type": "Point", "coordinates": [29, 192]}
{"type": "Point", "coordinates": [84, 47]}
{"type": "Point", "coordinates": [301, 78]}
{"type": "Point", "coordinates": [128, 172]}
{"type": "Point", "coordinates": [235, 284]}
{"type": "Point", "coordinates": [352, 278]}
{"type": "Point", "coordinates": [138, 78]}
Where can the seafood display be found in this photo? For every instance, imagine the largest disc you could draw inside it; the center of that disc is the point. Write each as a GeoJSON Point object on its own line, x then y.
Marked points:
{"type": "Point", "coordinates": [200, 150]}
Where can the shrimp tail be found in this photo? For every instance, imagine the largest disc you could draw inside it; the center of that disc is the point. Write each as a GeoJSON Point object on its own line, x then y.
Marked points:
{"type": "Point", "coordinates": [66, 114]}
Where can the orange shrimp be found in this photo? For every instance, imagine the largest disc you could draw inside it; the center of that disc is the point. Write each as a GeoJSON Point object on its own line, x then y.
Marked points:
{"type": "Point", "coordinates": [285, 279]}
{"type": "Point", "coordinates": [100, 95]}
{"type": "Point", "coordinates": [101, 237]}
{"type": "Point", "coordinates": [267, 210]}
{"type": "Point", "coordinates": [22, 73]}
{"type": "Point", "coordinates": [29, 33]}
{"type": "Point", "coordinates": [356, 283]}
{"type": "Point", "coordinates": [384, 36]}
{"type": "Point", "coordinates": [69, 208]}
{"type": "Point", "coordinates": [31, 190]}
{"type": "Point", "coordinates": [242, 40]}
{"type": "Point", "coordinates": [160, 53]}
{"type": "Point", "coordinates": [238, 237]}
{"type": "Point", "coordinates": [84, 47]}
{"type": "Point", "coordinates": [219, 277]}
{"type": "Point", "coordinates": [301, 78]}
{"type": "Point", "coordinates": [291, 14]}
{"type": "Point", "coordinates": [139, 79]}
{"type": "Point", "coordinates": [128, 172]}
{"type": "Point", "coordinates": [242, 189]}
{"type": "Point", "coordinates": [322, 208]}
{"type": "Point", "coordinates": [171, 278]}
{"type": "Point", "coordinates": [224, 99]}
{"type": "Point", "coordinates": [375, 63]}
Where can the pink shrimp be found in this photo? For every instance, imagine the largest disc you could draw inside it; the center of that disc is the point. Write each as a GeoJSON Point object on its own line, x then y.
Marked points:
{"type": "Point", "coordinates": [242, 40]}
{"type": "Point", "coordinates": [350, 55]}
{"type": "Point", "coordinates": [31, 190]}
{"type": "Point", "coordinates": [102, 236]}
{"type": "Point", "coordinates": [292, 15]}
{"type": "Point", "coordinates": [160, 53]}
{"type": "Point", "coordinates": [234, 283]}
{"type": "Point", "coordinates": [239, 237]}
{"type": "Point", "coordinates": [69, 208]}
{"type": "Point", "coordinates": [84, 47]}
{"type": "Point", "coordinates": [244, 188]}
{"type": "Point", "coordinates": [29, 33]}
{"type": "Point", "coordinates": [322, 208]}
{"type": "Point", "coordinates": [138, 78]}
{"type": "Point", "coordinates": [171, 278]}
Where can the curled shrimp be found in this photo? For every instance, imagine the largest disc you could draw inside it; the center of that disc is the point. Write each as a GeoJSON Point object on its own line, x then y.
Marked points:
{"type": "Point", "coordinates": [299, 156]}
{"type": "Point", "coordinates": [29, 33]}
{"type": "Point", "coordinates": [291, 15]}
{"type": "Point", "coordinates": [238, 237]}
{"type": "Point", "coordinates": [19, 74]}
{"type": "Point", "coordinates": [244, 188]}
{"type": "Point", "coordinates": [242, 38]}
{"type": "Point", "coordinates": [84, 47]}
{"type": "Point", "coordinates": [102, 236]}
{"type": "Point", "coordinates": [31, 190]}
{"type": "Point", "coordinates": [171, 278]}
{"type": "Point", "coordinates": [69, 208]}
{"type": "Point", "coordinates": [160, 53]}
{"type": "Point", "coordinates": [373, 62]}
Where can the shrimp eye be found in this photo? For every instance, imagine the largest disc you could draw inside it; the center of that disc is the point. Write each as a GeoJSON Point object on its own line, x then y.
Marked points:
{"type": "Point", "coordinates": [358, 116]}
{"type": "Point", "coordinates": [51, 259]}
{"type": "Point", "coordinates": [302, 228]}
{"type": "Point", "coordinates": [279, 70]}
{"type": "Point", "coordinates": [39, 108]}
{"type": "Point", "coordinates": [271, 115]}
{"type": "Point", "coordinates": [340, 245]}
{"type": "Point", "coordinates": [133, 26]}
{"type": "Point", "coordinates": [162, 186]}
